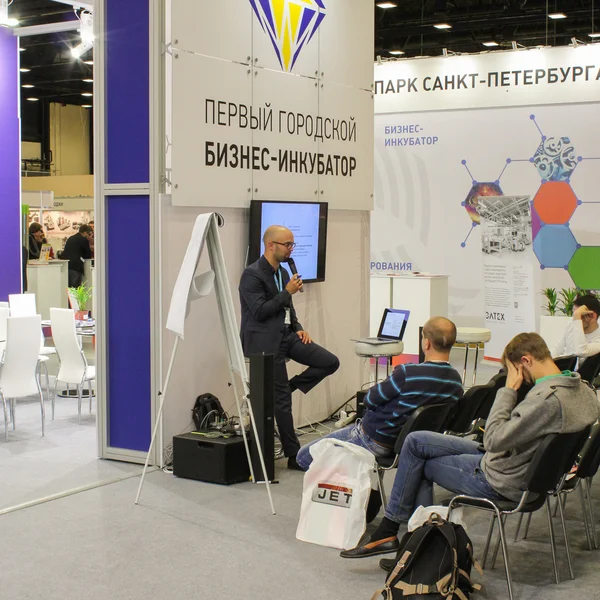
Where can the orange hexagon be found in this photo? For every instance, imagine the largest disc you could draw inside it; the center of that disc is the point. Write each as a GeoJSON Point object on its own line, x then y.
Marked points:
{"type": "Point", "coordinates": [555, 202]}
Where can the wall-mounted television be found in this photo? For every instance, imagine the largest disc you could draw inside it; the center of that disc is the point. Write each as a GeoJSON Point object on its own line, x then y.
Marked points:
{"type": "Point", "coordinates": [308, 223]}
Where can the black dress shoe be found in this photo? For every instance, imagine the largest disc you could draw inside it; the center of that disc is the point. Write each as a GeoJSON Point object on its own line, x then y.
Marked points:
{"type": "Point", "coordinates": [387, 564]}
{"type": "Point", "coordinates": [293, 464]}
{"type": "Point", "coordinates": [367, 548]}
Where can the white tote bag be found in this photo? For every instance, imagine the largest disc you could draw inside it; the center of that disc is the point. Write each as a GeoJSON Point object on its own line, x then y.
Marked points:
{"type": "Point", "coordinates": [335, 494]}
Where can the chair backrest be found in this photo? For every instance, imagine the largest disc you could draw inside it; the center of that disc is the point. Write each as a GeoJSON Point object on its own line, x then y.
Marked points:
{"type": "Point", "coordinates": [590, 368]}
{"type": "Point", "coordinates": [566, 363]}
{"type": "Point", "coordinates": [590, 455]}
{"type": "Point", "coordinates": [429, 417]}
{"type": "Point", "coordinates": [498, 380]}
{"type": "Point", "coordinates": [554, 457]}
{"type": "Point", "coordinates": [18, 374]}
{"type": "Point", "coordinates": [72, 360]}
{"type": "Point", "coordinates": [22, 305]}
{"type": "Point", "coordinates": [468, 407]}
{"type": "Point", "coordinates": [4, 314]}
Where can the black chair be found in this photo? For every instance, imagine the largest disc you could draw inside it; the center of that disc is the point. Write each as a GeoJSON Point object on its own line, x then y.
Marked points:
{"type": "Point", "coordinates": [566, 363]}
{"type": "Point", "coordinates": [470, 408]}
{"type": "Point", "coordinates": [429, 417]}
{"type": "Point", "coordinates": [589, 369]}
{"type": "Point", "coordinates": [546, 474]}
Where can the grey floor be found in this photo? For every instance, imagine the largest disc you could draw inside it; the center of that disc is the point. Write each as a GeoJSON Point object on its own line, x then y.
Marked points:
{"type": "Point", "coordinates": [191, 539]}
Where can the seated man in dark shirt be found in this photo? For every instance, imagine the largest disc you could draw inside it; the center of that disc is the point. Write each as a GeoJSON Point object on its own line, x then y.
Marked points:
{"type": "Point", "coordinates": [391, 402]}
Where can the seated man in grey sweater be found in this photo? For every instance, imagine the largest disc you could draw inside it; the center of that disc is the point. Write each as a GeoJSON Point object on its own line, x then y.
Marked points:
{"type": "Point", "coordinates": [558, 403]}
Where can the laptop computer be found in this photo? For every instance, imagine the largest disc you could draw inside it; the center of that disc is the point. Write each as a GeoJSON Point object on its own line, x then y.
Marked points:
{"type": "Point", "coordinates": [391, 329]}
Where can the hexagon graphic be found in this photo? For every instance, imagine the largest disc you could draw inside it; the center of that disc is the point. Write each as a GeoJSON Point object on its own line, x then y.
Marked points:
{"type": "Point", "coordinates": [555, 202]}
{"type": "Point", "coordinates": [471, 202]}
{"type": "Point", "coordinates": [584, 268]}
{"type": "Point", "coordinates": [554, 246]}
{"type": "Point", "coordinates": [555, 159]}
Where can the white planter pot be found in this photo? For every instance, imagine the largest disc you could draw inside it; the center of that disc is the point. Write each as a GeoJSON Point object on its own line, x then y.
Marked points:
{"type": "Point", "coordinates": [552, 329]}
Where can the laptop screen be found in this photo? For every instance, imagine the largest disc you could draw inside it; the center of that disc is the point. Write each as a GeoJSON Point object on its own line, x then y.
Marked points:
{"type": "Point", "coordinates": [393, 323]}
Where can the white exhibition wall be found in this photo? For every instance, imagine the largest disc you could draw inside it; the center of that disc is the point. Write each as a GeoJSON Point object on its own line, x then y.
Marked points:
{"type": "Point", "coordinates": [432, 146]}
{"type": "Point", "coordinates": [231, 139]}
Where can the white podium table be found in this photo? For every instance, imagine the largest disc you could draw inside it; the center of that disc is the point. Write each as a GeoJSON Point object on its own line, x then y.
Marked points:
{"type": "Point", "coordinates": [425, 296]}
{"type": "Point", "coordinates": [49, 282]}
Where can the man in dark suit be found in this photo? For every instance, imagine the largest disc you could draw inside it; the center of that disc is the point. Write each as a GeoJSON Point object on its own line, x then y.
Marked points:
{"type": "Point", "coordinates": [269, 325]}
{"type": "Point", "coordinates": [76, 250]}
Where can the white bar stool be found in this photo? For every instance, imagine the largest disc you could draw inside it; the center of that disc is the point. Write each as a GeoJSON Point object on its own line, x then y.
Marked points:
{"type": "Point", "coordinates": [376, 351]}
{"type": "Point", "coordinates": [472, 335]}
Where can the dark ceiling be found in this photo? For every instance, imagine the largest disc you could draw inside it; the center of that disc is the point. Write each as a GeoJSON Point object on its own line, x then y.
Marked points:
{"type": "Point", "coordinates": [410, 26]}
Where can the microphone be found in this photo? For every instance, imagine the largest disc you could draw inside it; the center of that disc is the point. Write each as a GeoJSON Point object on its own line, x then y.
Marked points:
{"type": "Point", "coordinates": [292, 265]}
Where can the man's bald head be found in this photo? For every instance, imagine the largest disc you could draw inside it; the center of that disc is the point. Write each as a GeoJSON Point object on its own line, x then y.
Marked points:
{"type": "Point", "coordinates": [275, 233]}
{"type": "Point", "coordinates": [441, 333]}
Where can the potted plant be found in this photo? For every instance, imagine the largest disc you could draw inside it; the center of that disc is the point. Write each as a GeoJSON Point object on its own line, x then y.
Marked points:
{"type": "Point", "coordinates": [567, 297]}
{"type": "Point", "coordinates": [554, 324]}
{"type": "Point", "coordinates": [81, 295]}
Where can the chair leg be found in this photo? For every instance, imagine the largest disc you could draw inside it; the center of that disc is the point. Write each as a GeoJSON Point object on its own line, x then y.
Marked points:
{"type": "Point", "coordinates": [489, 539]}
{"type": "Point", "coordinates": [79, 392]}
{"type": "Point", "coordinates": [561, 511]}
{"type": "Point", "coordinates": [552, 539]}
{"type": "Point", "coordinates": [475, 364]}
{"type": "Point", "coordinates": [47, 382]}
{"type": "Point", "coordinates": [495, 556]}
{"type": "Point", "coordinates": [588, 482]}
{"type": "Point", "coordinates": [464, 377]}
{"type": "Point", "coordinates": [43, 414]}
{"type": "Point", "coordinates": [527, 526]}
{"type": "Point", "coordinates": [90, 393]}
{"type": "Point", "coordinates": [5, 417]}
{"type": "Point", "coordinates": [518, 527]}
{"type": "Point", "coordinates": [13, 410]}
{"type": "Point", "coordinates": [588, 535]}
{"type": "Point", "coordinates": [505, 555]}
{"type": "Point", "coordinates": [380, 473]}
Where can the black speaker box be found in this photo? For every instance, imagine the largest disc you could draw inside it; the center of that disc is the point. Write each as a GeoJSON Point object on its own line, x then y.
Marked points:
{"type": "Point", "coordinates": [215, 460]}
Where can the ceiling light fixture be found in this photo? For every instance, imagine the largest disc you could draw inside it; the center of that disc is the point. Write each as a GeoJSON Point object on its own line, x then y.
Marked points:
{"type": "Point", "coordinates": [21, 49]}
{"type": "Point", "coordinates": [27, 85]}
{"type": "Point", "coordinates": [387, 4]}
{"type": "Point", "coordinates": [557, 16]}
{"type": "Point", "coordinates": [86, 106]}
{"type": "Point", "coordinates": [594, 35]}
{"type": "Point", "coordinates": [5, 20]}
{"type": "Point", "coordinates": [24, 70]}
{"type": "Point", "coordinates": [490, 44]}
{"type": "Point", "coordinates": [33, 99]}
{"type": "Point", "coordinates": [88, 62]}
{"type": "Point", "coordinates": [397, 52]}
{"type": "Point", "coordinates": [443, 26]}
{"type": "Point", "coordinates": [88, 80]}
{"type": "Point", "coordinates": [88, 94]}
{"type": "Point", "coordinates": [86, 33]}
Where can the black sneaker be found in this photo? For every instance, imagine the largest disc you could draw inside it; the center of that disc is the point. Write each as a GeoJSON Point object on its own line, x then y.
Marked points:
{"type": "Point", "coordinates": [293, 464]}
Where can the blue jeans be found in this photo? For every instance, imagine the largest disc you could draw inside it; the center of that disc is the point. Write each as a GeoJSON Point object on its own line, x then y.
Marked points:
{"type": "Point", "coordinates": [427, 458]}
{"type": "Point", "coordinates": [353, 434]}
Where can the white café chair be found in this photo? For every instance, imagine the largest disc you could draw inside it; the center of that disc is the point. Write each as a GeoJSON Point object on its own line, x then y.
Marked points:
{"type": "Point", "coordinates": [18, 375]}
{"type": "Point", "coordinates": [73, 364]}
{"type": "Point", "coordinates": [4, 314]}
{"type": "Point", "coordinates": [24, 305]}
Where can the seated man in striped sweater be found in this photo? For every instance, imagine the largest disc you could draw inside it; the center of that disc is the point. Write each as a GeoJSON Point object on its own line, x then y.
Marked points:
{"type": "Point", "coordinates": [391, 402]}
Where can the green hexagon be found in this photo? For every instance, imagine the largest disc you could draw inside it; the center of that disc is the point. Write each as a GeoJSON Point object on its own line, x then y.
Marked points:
{"type": "Point", "coordinates": [584, 268]}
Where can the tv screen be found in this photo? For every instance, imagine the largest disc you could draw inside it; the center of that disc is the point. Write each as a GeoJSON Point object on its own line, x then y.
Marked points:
{"type": "Point", "coordinates": [308, 223]}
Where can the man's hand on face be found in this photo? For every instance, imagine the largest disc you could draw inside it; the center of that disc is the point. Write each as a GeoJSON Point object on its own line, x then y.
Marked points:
{"type": "Point", "coordinates": [514, 377]}
{"type": "Point", "coordinates": [582, 313]}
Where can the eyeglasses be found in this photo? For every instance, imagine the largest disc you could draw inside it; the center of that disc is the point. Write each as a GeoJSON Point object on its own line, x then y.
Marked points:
{"type": "Point", "coordinates": [288, 245]}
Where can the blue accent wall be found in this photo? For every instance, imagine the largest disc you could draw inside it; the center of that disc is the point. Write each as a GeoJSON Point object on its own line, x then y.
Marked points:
{"type": "Point", "coordinates": [127, 91]}
{"type": "Point", "coordinates": [128, 309]}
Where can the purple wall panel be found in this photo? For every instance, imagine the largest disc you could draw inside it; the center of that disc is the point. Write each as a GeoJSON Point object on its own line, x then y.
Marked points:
{"type": "Point", "coordinates": [10, 168]}
{"type": "Point", "coordinates": [127, 91]}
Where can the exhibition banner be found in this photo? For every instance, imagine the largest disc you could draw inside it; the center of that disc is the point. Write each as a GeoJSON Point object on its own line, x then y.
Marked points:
{"type": "Point", "coordinates": [433, 165]}
{"type": "Point", "coordinates": [508, 281]}
{"type": "Point", "coordinates": [278, 105]}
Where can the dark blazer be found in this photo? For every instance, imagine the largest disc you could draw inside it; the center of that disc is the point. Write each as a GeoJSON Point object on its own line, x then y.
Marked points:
{"type": "Point", "coordinates": [76, 248]}
{"type": "Point", "coordinates": [263, 308]}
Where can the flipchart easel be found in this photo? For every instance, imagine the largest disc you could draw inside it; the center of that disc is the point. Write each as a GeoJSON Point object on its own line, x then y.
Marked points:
{"type": "Point", "coordinates": [189, 287]}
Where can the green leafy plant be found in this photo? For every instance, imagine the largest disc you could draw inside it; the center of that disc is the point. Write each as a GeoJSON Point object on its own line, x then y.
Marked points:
{"type": "Point", "coordinates": [82, 294]}
{"type": "Point", "coordinates": [567, 298]}
{"type": "Point", "coordinates": [551, 301]}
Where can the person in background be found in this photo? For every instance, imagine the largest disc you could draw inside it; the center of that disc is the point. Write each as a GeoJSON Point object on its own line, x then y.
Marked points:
{"type": "Point", "coordinates": [77, 249]}
{"type": "Point", "coordinates": [36, 239]}
{"type": "Point", "coordinates": [91, 224]}
{"type": "Point", "coordinates": [269, 325]}
{"type": "Point", "coordinates": [24, 258]}
{"type": "Point", "coordinates": [582, 337]}
{"type": "Point", "coordinates": [557, 403]}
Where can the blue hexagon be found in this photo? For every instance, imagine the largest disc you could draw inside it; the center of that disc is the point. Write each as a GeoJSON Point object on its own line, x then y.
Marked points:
{"type": "Point", "coordinates": [554, 246]}
{"type": "Point", "coordinates": [555, 159]}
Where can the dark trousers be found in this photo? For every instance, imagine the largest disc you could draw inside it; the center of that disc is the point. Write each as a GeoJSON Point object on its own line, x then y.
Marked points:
{"type": "Point", "coordinates": [320, 363]}
{"type": "Point", "coordinates": [75, 278]}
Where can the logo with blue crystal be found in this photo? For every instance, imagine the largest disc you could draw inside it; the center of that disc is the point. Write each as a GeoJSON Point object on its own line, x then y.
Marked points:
{"type": "Point", "coordinates": [291, 25]}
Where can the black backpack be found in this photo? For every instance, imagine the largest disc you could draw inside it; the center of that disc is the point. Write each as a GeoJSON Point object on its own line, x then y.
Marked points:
{"type": "Point", "coordinates": [207, 409]}
{"type": "Point", "coordinates": [434, 563]}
